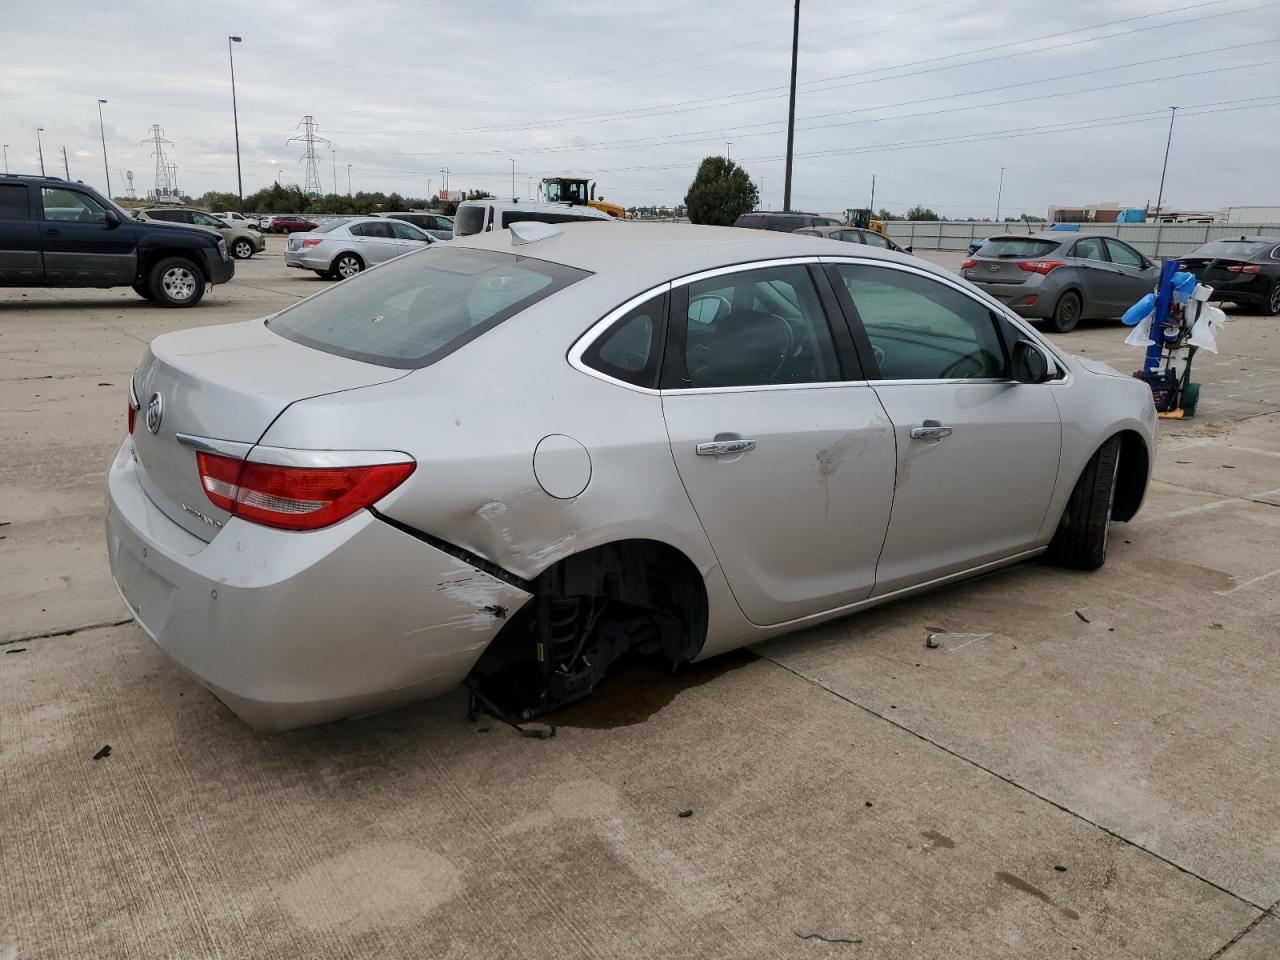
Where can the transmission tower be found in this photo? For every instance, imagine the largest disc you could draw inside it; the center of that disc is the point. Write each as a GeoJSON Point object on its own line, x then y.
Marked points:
{"type": "Point", "coordinates": [164, 181]}
{"type": "Point", "coordinates": [308, 137]}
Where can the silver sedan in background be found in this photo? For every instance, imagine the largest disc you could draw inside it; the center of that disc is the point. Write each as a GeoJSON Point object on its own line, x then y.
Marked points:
{"type": "Point", "coordinates": [517, 456]}
{"type": "Point", "coordinates": [1062, 276]}
{"type": "Point", "coordinates": [344, 246]}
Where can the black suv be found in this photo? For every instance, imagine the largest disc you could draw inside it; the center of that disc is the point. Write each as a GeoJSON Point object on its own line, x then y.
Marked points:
{"type": "Point", "coordinates": [55, 233]}
{"type": "Point", "coordinates": [783, 222]}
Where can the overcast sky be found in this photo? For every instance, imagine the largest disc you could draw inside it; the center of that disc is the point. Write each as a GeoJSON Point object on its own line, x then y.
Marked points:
{"type": "Point", "coordinates": [931, 96]}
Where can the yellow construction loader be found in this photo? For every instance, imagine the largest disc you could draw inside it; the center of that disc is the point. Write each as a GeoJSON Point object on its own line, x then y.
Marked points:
{"type": "Point", "coordinates": [576, 190]}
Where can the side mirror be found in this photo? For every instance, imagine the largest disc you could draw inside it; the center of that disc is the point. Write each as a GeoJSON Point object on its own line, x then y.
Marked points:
{"type": "Point", "coordinates": [112, 218]}
{"type": "Point", "coordinates": [1030, 365]}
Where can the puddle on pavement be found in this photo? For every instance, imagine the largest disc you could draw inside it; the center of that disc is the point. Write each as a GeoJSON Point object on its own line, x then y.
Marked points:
{"type": "Point", "coordinates": [636, 687]}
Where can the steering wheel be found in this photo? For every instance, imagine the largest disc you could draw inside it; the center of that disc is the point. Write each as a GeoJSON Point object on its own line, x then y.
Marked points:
{"type": "Point", "coordinates": [787, 350]}
{"type": "Point", "coordinates": [878, 353]}
{"type": "Point", "coordinates": [970, 365]}
{"type": "Point", "coordinates": [723, 306]}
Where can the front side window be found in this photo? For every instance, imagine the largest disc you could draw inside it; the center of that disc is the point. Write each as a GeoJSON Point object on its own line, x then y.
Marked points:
{"type": "Point", "coordinates": [407, 231]}
{"type": "Point", "coordinates": [754, 328]}
{"type": "Point", "coordinates": [921, 329]}
{"type": "Point", "coordinates": [1123, 255]}
{"type": "Point", "coordinates": [412, 311]}
{"type": "Point", "coordinates": [204, 220]}
{"type": "Point", "coordinates": [70, 205]}
{"type": "Point", "coordinates": [873, 239]}
{"type": "Point", "coordinates": [630, 350]}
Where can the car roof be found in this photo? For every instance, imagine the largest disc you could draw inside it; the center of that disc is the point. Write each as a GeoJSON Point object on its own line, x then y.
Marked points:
{"type": "Point", "coordinates": [669, 250]}
{"type": "Point", "coordinates": [1244, 239]}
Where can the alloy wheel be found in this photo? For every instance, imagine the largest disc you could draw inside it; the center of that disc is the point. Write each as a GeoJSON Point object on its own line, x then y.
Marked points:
{"type": "Point", "coordinates": [179, 283]}
{"type": "Point", "coordinates": [348, 266]}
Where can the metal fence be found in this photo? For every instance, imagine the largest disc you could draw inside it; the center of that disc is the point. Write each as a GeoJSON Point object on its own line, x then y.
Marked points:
{"type": "Point", "coordinates": [1156, 240]}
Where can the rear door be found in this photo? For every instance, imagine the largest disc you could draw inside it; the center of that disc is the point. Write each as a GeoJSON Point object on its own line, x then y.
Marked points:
{"type": "Point", "coordinates": [784, 450]}
{"type": "Point", "coordinates": [81, 249]}
{"type": "Point", "coordinates": [1099, 280]}
{"type": "Point", "coordinates": [1135, 277]}
{"type": "Point", "coordinates": [21, 264]}
{"type": "Point", "coordinates": [977, 453]}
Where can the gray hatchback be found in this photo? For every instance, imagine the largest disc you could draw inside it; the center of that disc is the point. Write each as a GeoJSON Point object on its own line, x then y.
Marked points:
{"type": "Point", "coordinates": [1062, 277]}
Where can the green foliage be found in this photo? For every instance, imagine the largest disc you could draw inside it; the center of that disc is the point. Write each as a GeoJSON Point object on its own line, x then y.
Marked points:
{"type": "Point", "coordinates": [921, 213]}
{"type": "Point", "coordinates": [278, 198]}
{"type": "Point", "coordinates": [449, 207]}
{"type": "Point", "coordinates": [884, 215]}
{"type": "Point", "coordinates": [720, 193]}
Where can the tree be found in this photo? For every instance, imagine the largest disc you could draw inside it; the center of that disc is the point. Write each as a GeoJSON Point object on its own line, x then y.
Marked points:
{"type": "Point", "coordinates": [884, 215]}
{"type": "Point", "coordinates": [921, 213]}
{"type": "Point", "coordinates": [450, 207]}
{"type": "Point", "coordinates": [720, 193]}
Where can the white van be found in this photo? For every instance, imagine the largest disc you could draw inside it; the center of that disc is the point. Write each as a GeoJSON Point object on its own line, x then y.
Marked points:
{"type": "Point", "coordinates": [477, 216]}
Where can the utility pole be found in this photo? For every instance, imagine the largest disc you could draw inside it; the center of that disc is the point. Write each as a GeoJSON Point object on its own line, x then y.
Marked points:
{"type": "Point", "coordinates": [513, 179]}
{"type": "Point", "coordinates": [760, 199]}
{"type": "Point", "coordinates": [999, 193]}
{"type": "Point", "coordinates": [65, 169]}
{"type": "Point", "coordinates": [445, 172]}
{"type": "Point", "coordinates": [791, 111]}
{"type": "Point", "coordinates": [333, 156]}
{"type": "Point", "coordinates": [163, 186]}
{"type": "Point", "coordinates": [235, 118]}
{"type": "Point", "coordinates": [6, 158]}
{"type": "Point", "coordinates": [873, 195]}
{"type": "Point", "coordinates": [102, 130]}
{"type": "Point", "coordinates": [311, 181]}
{"type": "Point", "coordinates": [40, 149]}
{"type": "Point", "coordinates": [1160, 197]}
{"type": "Point", "coordinates": [727, 145]}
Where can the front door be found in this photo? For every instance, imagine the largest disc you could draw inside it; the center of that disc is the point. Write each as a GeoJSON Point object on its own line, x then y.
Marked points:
{"type": "Point", "coordinates": [375, 241]}
{"type": "Point", "coordinates": [1135, 277]}
{"type": "Point", "coordinates": [20, 260]}
{"type": "Point", "coordinates": [977, 452]}
{"type": "Point", "coordinates": [784, 450]}
{"type": "Point", "coordinates": [409, 239]}
{"type": "Point", "coordinates": [82, 248]}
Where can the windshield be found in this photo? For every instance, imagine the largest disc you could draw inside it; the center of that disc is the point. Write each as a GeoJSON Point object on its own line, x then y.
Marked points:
{"type": "Point", "coordinates": [1015, 247]}
{"type": "Point", "coordinates": [414, 310]}
{"type": "Point", "coordinates": [1232, 249]}
{"type": "Point", "coordinates": [469, 220]}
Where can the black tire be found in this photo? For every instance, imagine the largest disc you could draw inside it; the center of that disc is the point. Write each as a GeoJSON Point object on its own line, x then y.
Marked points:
{"type": "Point", "coordinates": [1081, 538]}
{"type": "Point", "coordinates": [242, 249]}
{"type": "Point", "coordinates": [1271, 306]}
{"type": "Point", "coordinates": [1066, 312]}
{"type": "Point", "coordinates": [345, 265]}
{"type": "Point", "coordinates": [285, 231]}
{"type": "Point", "coordinates": [176, 282]}
{"type": "Point", "coordinates": [142, 290]}
{"type": "Point", "coordinates": [323, 274]}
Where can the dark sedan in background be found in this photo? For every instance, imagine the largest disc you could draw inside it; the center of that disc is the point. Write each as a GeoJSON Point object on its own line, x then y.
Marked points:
{"type": "Point", "coordinates": [1062, 277]}
{"type": "Point", "coordinates": [1245, 271]}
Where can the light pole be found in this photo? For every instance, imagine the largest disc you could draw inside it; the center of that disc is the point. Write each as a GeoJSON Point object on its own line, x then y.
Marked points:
{"type": "Point", "coordinates": [999, 193]}
{"type": "Point", "coordinates": [40, 149]}
{"type": "Point", "coordinates": [728, 144]}
{"type": "Point", "coordinates": [445, 172]}
{"type": "Point", "coordinates": [791, 112]}
{"type": "Point", "coordinates": [280, 177]}
{"type": "Point", "coordinates": [333, 156]}
{"type": "Point", "coordinates": [1160, 197]}
{"type": "Point", "coordinates": [102, 130]}
{"type": "Point", "coordinates": [235, 117]}
{"type": "Point", "coordinates": [513, 179]}
{"type": "Point", "coordinates": [6, 158]}
{"type": "Point", "coordinates": [348, 179]}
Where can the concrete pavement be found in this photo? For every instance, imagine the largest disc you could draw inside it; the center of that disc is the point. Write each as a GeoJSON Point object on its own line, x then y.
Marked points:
{"type": "Point", "coordinates": [854, 793]}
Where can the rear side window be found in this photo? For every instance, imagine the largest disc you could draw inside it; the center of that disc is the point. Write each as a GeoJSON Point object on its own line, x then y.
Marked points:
{"type": "Point", "coordinates": [14, 204]}
{"type": "Point", "coordinates": [786, 224]}
{"type": "Point", "coordinates": [412, 311]}
{"type": "Point", "coordinates": [1015, 247]}
{"type": "Point", "coordinates": [469, 220]}
{"type": "Point", "coordinates": [750, 221]}
{"type": "Point", "coordinates": [631, 349]}
{"type": "Point", "coordinates": [921, 329]}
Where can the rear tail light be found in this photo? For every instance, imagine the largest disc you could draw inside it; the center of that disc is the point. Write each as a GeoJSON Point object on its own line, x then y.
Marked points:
{"type": "Point", "coordinates": [313, 242]}
{"type": "Point", "coordinates": [971, 262]}
{"type": "Point", "coordinates": [133, 405]}
{"type": "Point", "coordinates": [1043, 267]}
{"type": "Point", "coordinates": [1244, 268]}
{"type": "Point", "coordinates": [296, 498]}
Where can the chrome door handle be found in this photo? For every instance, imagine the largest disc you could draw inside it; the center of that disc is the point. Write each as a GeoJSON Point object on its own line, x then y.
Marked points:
{"type": "Point", "coordinates": [930, 431]}
{"type": "Point", "coordinates": [719, 448]}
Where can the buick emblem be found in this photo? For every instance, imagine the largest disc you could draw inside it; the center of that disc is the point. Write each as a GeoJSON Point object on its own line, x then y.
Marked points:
{"type": "Point", "coordinates": [155, 410]}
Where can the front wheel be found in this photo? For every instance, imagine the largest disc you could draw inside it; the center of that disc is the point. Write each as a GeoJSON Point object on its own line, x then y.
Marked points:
{"type": "Point", "coordinates": [1066, 313]}
{"type": "Point", "coordinates": [1081, 538]}
{"type": "Point", "coordinates": [176, 282]}
{"type": "Point", "coordinates": [242, 249]}
{"type": "Point", "coordinates": [346, 265]}
{"type": "Point", "coordinates": [285, 231]}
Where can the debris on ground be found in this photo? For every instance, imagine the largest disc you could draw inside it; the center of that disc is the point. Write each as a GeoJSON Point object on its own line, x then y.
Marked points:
{"type": "Point", "coordinates": [933, 642]}
{"type": "Point", "coordinates": [1083, 617]}
{"type": "Point", "coordinates": [686, 812]}
{"type": "Point", "coordinates": [936, 640]}
{"type": "Point", "coordinates": [1060, 868]}
{"type": "Point", "coordinates": [537, 731]}
{"type": "Point", "coordinates": [1215, 626]}
{"type": "Point", "coordinates": [818, 936]}
{"type": "Point", "coordinates": [15, 649]}
{"type": "Point", "coordinates": [104, 752]}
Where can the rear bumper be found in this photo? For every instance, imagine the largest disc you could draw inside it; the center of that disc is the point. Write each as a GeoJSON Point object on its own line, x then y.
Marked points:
{"type": "Point", "coordinates": [290, 629]}
{"type": "Point", "coordinates": [1025, 299]}
{"type": "Point", "coordinates": [304, 259]}
{"type": "Point", "coordinates": [1250, 289]}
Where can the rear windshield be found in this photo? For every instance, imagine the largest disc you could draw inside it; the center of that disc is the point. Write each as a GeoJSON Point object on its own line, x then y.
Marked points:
{"type": "Point", "coordinates": [416, 309]}
{"type": "Point", "coordinates": [1009, 247]}
{"type": "Point", "coordinates": [1233, 249]}
{"type": "Point", "coordinates": [469, 220]}
{"type": "Point", "coordinates": [331, 225]}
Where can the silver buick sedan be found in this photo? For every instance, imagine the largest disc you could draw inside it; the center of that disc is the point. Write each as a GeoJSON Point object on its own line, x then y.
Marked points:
{"type": "Point", "coordinates": [344, 246]}
{"type": "Point", "coordinates": [511, 458]}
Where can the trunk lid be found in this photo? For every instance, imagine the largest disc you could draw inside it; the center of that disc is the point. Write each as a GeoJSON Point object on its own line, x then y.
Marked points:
{"type": "Point", "coordinates": [1211, 271]}
{"type": "Point", "coordinates": [225, 383]}
{"type": "Point", "coordinates": [997, 260]}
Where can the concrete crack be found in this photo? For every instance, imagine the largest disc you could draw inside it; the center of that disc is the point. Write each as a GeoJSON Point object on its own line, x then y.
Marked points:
{"type": "Point", "coordinates": [62, 631]}
{"type": "Point", "coordinates": [1025, 789]}
{"type": "Point", "coordinates": [1250, 927]}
